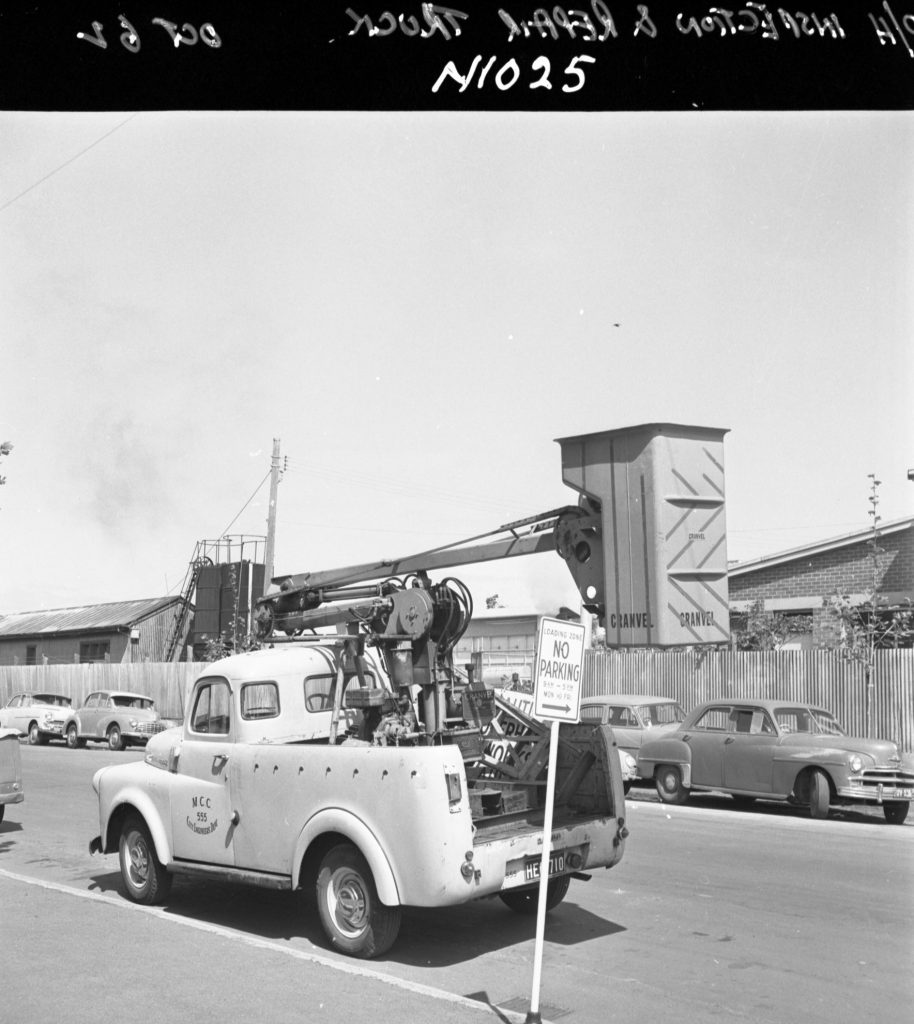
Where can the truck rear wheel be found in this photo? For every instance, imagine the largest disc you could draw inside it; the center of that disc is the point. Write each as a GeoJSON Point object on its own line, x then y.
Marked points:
{"type": "Point", "coordinates": [525, 900]}
{"type": "Point", "coordinates": [145, 880]}
{"type": "Point", "coordinates": [353, 917]}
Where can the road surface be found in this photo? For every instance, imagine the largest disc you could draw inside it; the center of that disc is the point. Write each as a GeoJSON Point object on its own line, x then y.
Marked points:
{"type": "Point", "coordinates": [714, 913]}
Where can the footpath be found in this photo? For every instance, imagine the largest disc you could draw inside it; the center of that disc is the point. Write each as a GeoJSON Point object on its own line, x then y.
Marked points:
{"type": "Point", "coordinates": [72, 954]}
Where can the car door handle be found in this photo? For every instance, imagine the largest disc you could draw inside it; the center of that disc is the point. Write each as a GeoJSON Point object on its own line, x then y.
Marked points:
{"type": "Point", "coordinates": [219, 762]}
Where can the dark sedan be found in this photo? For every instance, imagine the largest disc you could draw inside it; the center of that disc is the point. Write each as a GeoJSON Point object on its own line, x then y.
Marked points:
{"type": "Point", "coordinates": [778, 750]}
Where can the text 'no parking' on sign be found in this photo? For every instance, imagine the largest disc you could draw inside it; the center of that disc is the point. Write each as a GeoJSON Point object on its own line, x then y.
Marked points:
{"type": "Point", "coordinates": [557, 677]}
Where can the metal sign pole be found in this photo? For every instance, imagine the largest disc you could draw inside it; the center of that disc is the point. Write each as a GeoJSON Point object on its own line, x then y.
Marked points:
{"type": "Point", "coordinates": [556, 699]}
{"type": "Point", "coordinates": [533, 1015]}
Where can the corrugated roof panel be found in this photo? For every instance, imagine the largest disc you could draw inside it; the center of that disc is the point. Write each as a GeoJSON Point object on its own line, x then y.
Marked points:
{"type": "Point", "coordinates": [95, 616]}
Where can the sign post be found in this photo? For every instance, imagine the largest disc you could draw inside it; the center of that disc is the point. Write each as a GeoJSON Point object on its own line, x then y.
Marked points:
{"type": "Point", "coordinates": [556, 699]}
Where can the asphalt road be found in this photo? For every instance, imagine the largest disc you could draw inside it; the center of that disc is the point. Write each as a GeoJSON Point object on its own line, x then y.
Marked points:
{"type": "Point", "coordinates": [714, 913]}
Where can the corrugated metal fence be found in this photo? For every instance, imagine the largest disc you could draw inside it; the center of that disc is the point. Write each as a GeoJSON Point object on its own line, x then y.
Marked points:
{"type": "Point", "coordinates": [824, 678]}
{"type": "Point", "coordinates": [820, 677]}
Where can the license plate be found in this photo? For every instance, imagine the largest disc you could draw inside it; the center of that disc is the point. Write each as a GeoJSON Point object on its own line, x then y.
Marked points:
{"type": "Point", "coordinates": [556, 866]}
{"type": "Point", "coordinates": [901, 794]}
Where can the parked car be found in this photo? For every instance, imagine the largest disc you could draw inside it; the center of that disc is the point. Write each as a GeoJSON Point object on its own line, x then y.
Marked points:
{"type": "Point", "coordinates": [634, 718]}
{"type": "Point", "coordinates": [116, 717]}
{"type": "Point", "coordinates": [10, 770]}
{"type": "Point", "coordinates": [778, 750]}
{"type": "Point", "coordinates": [40, 716]}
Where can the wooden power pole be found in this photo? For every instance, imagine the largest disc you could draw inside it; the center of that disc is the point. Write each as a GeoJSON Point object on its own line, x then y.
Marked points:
{"type": "Point", "coordinates": [271, 516]}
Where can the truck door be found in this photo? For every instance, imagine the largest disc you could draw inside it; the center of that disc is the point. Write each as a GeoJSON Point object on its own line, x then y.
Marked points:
{"type": "Point", "coordinates": [201, 797]}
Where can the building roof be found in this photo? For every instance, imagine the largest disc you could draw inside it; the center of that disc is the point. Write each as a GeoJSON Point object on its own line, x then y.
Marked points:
{"type": "Point", "coordinates": [116, 615]}
{"type": "Point", "coordinates": [819, 547]}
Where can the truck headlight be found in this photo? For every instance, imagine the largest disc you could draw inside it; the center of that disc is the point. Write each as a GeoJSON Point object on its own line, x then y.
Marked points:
{"type": "Point", "coordinates": [133, 723]}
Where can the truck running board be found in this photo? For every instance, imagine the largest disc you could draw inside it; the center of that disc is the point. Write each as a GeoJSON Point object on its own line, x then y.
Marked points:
{"type": "Point", "coordinates": [264, 879]}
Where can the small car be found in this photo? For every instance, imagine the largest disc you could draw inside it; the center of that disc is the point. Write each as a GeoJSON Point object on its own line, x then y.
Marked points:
{"type": "Point", "coordinates": [10, 770]}
{"type": "Point", "coordinates": [40, 716]}
{"type": "Point", "coordinates": [778, 750]}
{"type": "Point", "coordinates": [634, 718]}
{"type": "Point", "coordinates": [116, 717]}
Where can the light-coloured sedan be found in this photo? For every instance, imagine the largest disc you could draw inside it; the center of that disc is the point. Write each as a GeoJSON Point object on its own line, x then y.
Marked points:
{"type": "Point", "coordinates": [40, 716]}
{"type": "Point", "coordinates": [634, 718]}
{"type": "Point", "coordinates": [116, 717]}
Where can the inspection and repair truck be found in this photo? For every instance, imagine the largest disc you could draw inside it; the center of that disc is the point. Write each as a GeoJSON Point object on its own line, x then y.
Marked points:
{"type": "Point", "coordinates": [364, 765]}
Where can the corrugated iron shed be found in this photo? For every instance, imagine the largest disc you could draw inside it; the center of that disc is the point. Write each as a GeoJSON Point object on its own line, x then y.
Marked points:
{"type": "Point", "coordinates": [116, 615]}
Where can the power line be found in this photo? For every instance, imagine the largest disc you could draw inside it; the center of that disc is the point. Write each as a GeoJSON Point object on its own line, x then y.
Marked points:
{"type": "Point", "coordinates": [245, 505]}
{"type": "Point", "coordinates": [67, 163]}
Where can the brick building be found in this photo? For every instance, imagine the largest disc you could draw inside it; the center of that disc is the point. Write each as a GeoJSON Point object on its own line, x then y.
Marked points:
{"type": "Point", "coordinates": [799, 582]}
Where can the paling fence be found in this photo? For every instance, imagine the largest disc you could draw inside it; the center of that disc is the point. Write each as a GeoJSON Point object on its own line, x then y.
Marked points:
{"type": "Point", "coordinates": [167, 683]}
{"type": "Point", "coordinates": [885, 708]}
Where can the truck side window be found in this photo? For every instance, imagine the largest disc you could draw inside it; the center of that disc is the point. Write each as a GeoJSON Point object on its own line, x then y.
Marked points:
{"type": "Point", "coordinates": [212, 708]}
{"type": "Point", "coordinates": [319, 688]}
{"type": "Point", "coordinates": [259, 700]}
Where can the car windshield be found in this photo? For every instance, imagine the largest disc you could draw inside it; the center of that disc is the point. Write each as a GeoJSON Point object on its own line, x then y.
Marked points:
{"type": "Point", "coordinates": [661, 714]}
{"type": "Point", "coordinates": [133, 702]}
{"type": "Point", "coordinates": [808, 720]}
{"type": "Point", "coordinates": [53, 700]}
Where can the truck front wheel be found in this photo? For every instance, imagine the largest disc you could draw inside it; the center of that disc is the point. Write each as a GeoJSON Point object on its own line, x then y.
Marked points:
{"type": "Point", "coordinates": [525, 901]}
{"type": "Point", "coordinates": [145, 880]}
{"type": "Point", "coordinates": [353, 917]}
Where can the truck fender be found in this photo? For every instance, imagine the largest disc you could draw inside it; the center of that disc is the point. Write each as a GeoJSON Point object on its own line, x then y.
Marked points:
{"type": "Point", "coordinates": [336, 819]}
{"type": "Point", "coordinates": [132, 796]}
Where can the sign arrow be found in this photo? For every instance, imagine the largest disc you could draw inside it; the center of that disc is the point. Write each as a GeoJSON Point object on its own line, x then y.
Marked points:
{"type": "Point", "coordinates": [556, 707]}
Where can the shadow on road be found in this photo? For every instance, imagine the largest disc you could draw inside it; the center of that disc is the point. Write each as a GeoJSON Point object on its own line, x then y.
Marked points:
{"type": "Point", "coordinates": [437, 937]}
{"type": "Point", "coordinates": [855, 814]}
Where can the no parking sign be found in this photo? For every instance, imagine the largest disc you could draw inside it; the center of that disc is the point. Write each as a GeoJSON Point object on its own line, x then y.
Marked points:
{"type": "Point", "coordinates": [557, 673]}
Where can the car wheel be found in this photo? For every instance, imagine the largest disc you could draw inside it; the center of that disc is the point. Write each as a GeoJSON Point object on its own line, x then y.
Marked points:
{"type": "Point", "coordinates": [115, 739]}
{"type": "Point", "coordinates": [819, 796]}
{"type": "Point", "coordinates": [895, 811]}
{"type": "Point", "coordinates": [34, 734]}
{"type": "Point", "coordinates": [526, 900]}
{"type": "Point", "coordinates": [670, 789]}
{"type": "Point", "coordinates": [145, 880]}
{"type": "Point", "coordinates": [73, 740]}
{"type": "Point", "coordinates": [353, 917]}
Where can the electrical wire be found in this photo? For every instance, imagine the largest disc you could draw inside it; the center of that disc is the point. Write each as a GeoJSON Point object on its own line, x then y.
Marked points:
{"type": "Point", "coordinates": [245, 505]}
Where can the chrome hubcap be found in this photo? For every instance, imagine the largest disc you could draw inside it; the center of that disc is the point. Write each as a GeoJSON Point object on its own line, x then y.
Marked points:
{"type": "Point", "coordinates": [348, 902]}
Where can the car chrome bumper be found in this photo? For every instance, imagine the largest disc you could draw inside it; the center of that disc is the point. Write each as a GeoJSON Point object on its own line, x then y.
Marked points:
{"type": "Point", "coordinates": [880, 792]}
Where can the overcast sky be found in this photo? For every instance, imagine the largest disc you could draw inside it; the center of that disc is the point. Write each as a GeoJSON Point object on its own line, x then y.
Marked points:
{"type": "Point", "coordinates": [417, 306]}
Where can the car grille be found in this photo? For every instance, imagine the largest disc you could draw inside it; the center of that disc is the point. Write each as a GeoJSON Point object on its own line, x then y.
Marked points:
{"type": "Point", "coordinates": [150, 728]}
{"type": "Point", "coordinates": [892, 777]}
